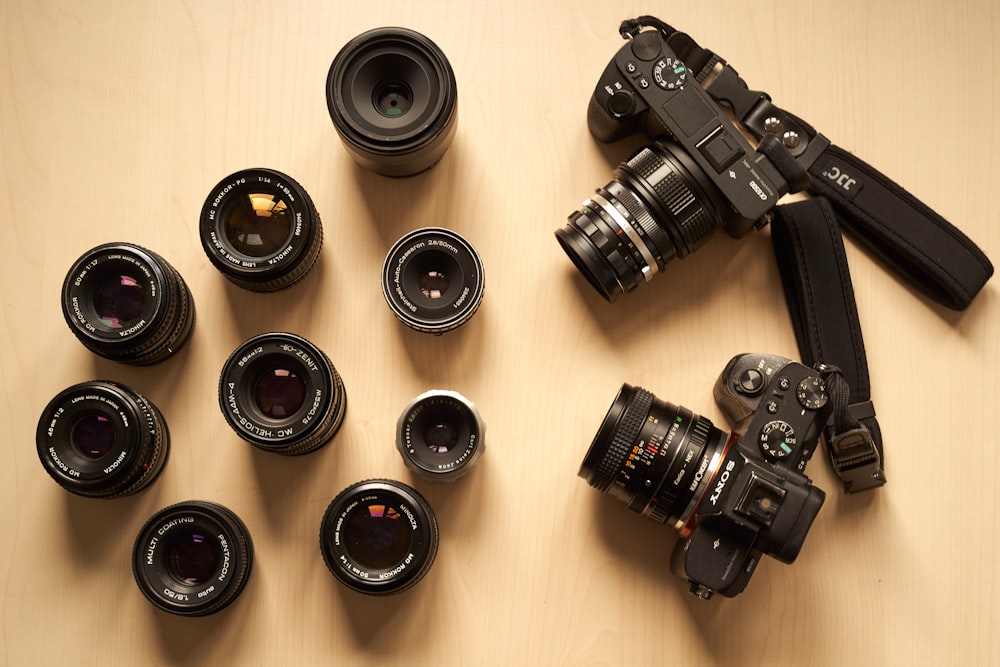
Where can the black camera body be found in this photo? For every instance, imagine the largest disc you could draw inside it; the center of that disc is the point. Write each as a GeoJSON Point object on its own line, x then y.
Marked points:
{"type": "Point", "coordinates": [647, 88]}
{"type": "Point", "coordinates": [734, 496]}
{"type": "Point", "coordinates": [759, 502]}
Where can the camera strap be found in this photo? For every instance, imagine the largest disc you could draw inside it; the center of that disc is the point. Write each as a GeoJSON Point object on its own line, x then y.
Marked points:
{"type": "Point", "coordinates": [820, 296]}
{"type": "Point", "coordinates": [906, 235]}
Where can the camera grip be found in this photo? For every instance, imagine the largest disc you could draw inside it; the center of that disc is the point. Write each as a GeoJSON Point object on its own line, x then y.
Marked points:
{"type": "Point", "coordinates": [917, 243]}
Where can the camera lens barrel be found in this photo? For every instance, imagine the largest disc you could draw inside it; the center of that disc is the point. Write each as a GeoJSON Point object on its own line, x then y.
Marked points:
{"type": "Point", "coordinates": [280, 393]}
{"type": "Point", "coordinates": [659, 206]}
{"type": "Point", "coordinates": [261, 230]}
{"type": "Point", "coordinates": [127, 304]}
{"type": "Point", "coordinates": [392, 96]}
{"type": "Point", "coordinates": [193, 558]}
{"type": "Point", "coordinates": [433, 280]}
{"type": "Point", "coordinates": [379, 537]}
{"type": "Point", "coordinates": [656, 457]}
{"type": "Point", "coordinates": [102, 440]}
{"type": "Point", "coordinates": [440, 435]}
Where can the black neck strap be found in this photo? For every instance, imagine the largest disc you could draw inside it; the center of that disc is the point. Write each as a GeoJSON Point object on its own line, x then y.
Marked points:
{"type": "Point", "coordinates": [906, 235]}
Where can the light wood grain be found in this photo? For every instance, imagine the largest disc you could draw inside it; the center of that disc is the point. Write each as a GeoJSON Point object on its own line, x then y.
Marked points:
{"type": "Point", "coordinates": [117, 117]}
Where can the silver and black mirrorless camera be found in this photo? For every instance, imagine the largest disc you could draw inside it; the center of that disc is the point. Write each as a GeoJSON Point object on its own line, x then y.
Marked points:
{"type": "Point", "coordinates": [700, 173]}
{"type": "Point", "coordinates": [732, 497]}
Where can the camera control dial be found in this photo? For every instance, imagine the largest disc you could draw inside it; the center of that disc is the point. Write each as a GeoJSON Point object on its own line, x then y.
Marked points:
{"type": "Point", "coordinates": [811, 393]}
{"type": "Point", "coordinates": [777, 440]}
{"type": "Point", "coordinates": [670, 73]}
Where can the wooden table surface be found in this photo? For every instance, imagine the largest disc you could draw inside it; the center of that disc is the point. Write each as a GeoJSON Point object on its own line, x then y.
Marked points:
{"type": "Point", "coordinates": [117, 118]}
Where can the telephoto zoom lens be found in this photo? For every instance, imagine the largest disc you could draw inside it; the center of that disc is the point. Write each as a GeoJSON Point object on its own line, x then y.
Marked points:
{"type": "Point", "coordinates": [127, 304]}
{"type": "Point", "coordinates": [392, 96]}
{"type": "Point", "coordinates": [261, 230]}
{"type": "Point", "coordinates": [656, 457]}
{"type": "Point", "coordinates": [433, 280]}
{"type": "Point", "coordinates": [193, 558]}
{"type": "Point", "coordinates": [660, 205]}
{"type": "Point", "coordinates": [440, 435]}
{"type": "Point", "coordinates": [280, 393]}
{"type": "Point", "coordinates": [379, 537]}
{"type": "Point", "coordinates": [102, 440]}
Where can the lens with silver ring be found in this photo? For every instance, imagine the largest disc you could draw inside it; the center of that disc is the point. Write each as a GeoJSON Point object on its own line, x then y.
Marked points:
{"type": "Point", "coordinates": [433, 280]}
{"type": "Point", "coordinates": [440, 435]}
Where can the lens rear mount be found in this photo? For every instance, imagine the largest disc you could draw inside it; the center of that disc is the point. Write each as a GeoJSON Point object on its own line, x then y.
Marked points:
{"type": "Point", "coordinates": [193, 558]}
{"type": "Point", "coordinates": [379, 537]}
{"type": "Point", "coordinates": [392, 95]}
{"type": "Point", "coordinates": [281, 393]}
{"type": "Point", "coordinates": [261, 230]}
{"type": "Point", "coordinates": [433, 280]}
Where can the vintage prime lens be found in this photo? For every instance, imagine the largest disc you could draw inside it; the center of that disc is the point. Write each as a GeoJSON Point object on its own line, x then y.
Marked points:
{"type": "Point", "coordinates": [261, 230]}
{"type": "Point", "coordinates": [656, 457]}
{"type": "Point", "coordinates": [102, 440]}
{"type": "Point", "coordinates": [280, 393]}
{"type": "Point", "coordinates": [193, 558]}
{"type": "Point", "coordinates": [379, 537]}
{"type": "Point", "coordinates": [393, 99]}
{"type": "Point", "coordinates": [660, 205]}
{"type": "Point", "coordinates": [440, 435]}
{"type": "Point", "coordinates": [127, 304]}
{"type": "Point", "coordinates": [433, 280]}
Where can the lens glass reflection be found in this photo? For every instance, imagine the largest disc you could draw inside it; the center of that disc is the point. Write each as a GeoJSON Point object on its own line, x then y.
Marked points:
{"type": "Point", "coordinates": [279, 393]}
{"type": "Point", "coordinates": [377, 537]}
{"type": "Point", "coordinates": [93, 435]}
{"type": "Point", "coordinates": [119, 300]}
{"type": "Point", "coordinates": [258, 224]}
{"type": "Point", "coordinates": [192, 556]}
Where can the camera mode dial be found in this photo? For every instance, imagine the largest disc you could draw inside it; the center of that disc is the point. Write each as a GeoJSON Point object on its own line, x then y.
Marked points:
{"type": "Point", "coordinates": [670, 73]}
{"type": "Point", "coordinates": [777, 440]}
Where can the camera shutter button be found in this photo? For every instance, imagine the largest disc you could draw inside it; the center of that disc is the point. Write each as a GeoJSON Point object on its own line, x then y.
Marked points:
{"type": "Point", "coordinates": [750, 382]}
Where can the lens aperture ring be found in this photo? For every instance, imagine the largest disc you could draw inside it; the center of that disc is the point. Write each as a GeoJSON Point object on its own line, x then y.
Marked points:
{"type": "Point", "coordinates": [623, 218]}
{"type": "Point", "coordinates": [658, 246]}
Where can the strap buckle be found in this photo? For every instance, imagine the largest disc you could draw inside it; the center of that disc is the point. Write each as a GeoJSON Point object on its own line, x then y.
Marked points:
{"type": "Point", "coordinates": [855, 458]}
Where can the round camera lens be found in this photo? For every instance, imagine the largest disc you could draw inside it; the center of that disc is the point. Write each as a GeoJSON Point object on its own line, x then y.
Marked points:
{"type": "Point", "coordinates": [126, 303]}
{"type": "Point", "coordinates": [102, 440]}
{"type": "Point", "coordinates": [433, 280]}
{"type": "Point", "coordinates": [440, 435]}
{"type": "Point", "coordinates": [261, 230]}
{"type": "Point", "coordinates": [659, 206]}
{"type": "Point", "coordinates": [392, 97]}
{"type": "Point", "coordinates": [93, 435]}
{"type": "Point", "coordinates": [379, 537]}
{"type": "Point", "coordinates": [280, 393]}
{"type": "Point", "coordinates": [193, 558]}
{"type": "Point", "coordinates": [666, 487]}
